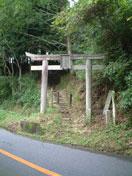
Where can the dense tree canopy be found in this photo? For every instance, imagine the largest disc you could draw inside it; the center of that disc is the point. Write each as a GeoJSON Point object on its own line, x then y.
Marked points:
{"type": "Point", "coordinates": [103, 26]}
{"type": "Point", "coordinates": [26, 26]}
{"type": "Point", "coordinates": [106, 23]}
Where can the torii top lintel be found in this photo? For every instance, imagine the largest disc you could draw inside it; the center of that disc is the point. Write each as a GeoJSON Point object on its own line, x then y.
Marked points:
{"type": "Point", "coordinates": [38, 57]}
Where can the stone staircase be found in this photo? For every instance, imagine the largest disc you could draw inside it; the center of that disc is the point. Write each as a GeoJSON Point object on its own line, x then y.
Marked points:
{"type": "Point", "coordinates": [69, 119]}
{"type": "Point", "coordinates": [61, 101]}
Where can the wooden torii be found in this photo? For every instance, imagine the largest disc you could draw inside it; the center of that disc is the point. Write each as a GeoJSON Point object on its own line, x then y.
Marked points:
{"type": "Point", "coordinates": [66, 63]}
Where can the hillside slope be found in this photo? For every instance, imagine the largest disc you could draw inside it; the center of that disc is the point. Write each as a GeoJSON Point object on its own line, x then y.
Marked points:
{"type": "Point", "coordinates": [65, 122]}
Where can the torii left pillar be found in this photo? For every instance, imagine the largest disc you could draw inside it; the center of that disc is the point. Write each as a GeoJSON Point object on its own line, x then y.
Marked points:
{"type": "Point", "coordinates": [44, 84]}
{"type": "Point", "coordinates": [44, 78]}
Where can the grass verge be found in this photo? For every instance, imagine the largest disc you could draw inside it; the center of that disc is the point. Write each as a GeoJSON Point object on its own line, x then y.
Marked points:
{"type": "Point", "coordinates": [115, 139]}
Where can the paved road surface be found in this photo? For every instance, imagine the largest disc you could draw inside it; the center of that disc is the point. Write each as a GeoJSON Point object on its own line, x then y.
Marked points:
{"type": "Point", "coordinates": [62, 160]}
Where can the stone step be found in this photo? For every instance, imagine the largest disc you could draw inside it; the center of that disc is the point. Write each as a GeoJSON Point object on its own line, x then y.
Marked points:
{"type": "Point", "coordinates": [63, 105]}
{"type": "Point", "coordinates": [66, 119]}
{"type": "Point", "coordinates": [65, 112]}
{"type": "Point", "coordinates": [54, 102]}
{"type": "Point", "coordinates": [64, 108]}
{"type": "Point", "coordinates": [77, 125]}
{"type": "Point", "coordinates": [62, 98]}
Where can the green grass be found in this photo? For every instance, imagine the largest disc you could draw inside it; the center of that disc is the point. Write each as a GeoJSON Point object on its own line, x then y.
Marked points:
{"type": "Point", "coordinates": [8, 117]}
{"type": "Point", "coordinates": [108, 139]}
{"type": "Point", "coordinates": [112, 139]}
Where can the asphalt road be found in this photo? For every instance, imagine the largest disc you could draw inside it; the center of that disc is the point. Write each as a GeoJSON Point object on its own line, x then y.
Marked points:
{"type": "Point", "coordinates": [59, 159]}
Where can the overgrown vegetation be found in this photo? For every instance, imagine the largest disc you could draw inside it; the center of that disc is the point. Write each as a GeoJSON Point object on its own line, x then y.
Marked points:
{"type": "Point", "coordinates": [104, 26]}
{"type": "Point", "coordinates": [52, 127]}
{"type": "Point", "coordinates": [26, 97]}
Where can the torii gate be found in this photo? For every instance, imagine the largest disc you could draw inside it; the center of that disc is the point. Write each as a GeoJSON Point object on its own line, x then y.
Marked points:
{"type": "Point", "coordinates": [66, 63]}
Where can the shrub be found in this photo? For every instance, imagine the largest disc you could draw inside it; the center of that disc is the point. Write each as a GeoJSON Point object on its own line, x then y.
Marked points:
{"type": "Point", "coordinates": [30, 97]}
{"type": "Point", "coordinates": [126, 99]}
{"type": "Point", "coordinates": [29, 94]}
{"type": "Point", "coordinates": [128, 79]}
{"type": "Point", "coordinates": [5, 88]}
{"type": "Point", "coordinates": [115, 72]}
{"type": "Point", "coordinates": [126, 95]}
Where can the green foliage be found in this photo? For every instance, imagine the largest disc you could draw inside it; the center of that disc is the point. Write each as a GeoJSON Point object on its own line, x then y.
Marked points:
{"type": "Point", "coordinates": [115, 72]}
{"type": "Point", "coordinates": [126, 95]}
{"type": "Point", "coordinates": [26, 26]}
{"type": "Point", "coordinates": [29, 94]}
{"type": "Point", "coordinates": [30, 97]}
{"type": "Point", "coordinates": [58, 120]}
{"type": "Point", "coordinates": [126, 99]}
{"type": "Point", "coordinates": [5, 88]}
{"type": "Point", "coordinates": [98, 25]}
{"type": "Point", "coordinates": [11, 94]}
{"type": "Point", "coordinates": [128, 79]}
{"type": "Point", "coordinates": [80, 75]}
{"type": "Point", "coordinates": [51, 110]}
{"type": "Point", "coordinates": [11, 117]}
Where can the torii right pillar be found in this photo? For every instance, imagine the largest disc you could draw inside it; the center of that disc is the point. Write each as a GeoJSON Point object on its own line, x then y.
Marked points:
{"type": "Point", "coordinates": [89, 89]}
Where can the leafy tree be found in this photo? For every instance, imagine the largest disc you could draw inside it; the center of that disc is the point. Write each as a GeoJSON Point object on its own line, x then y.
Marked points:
{"type": "Point", "coordinates": [102, 26]}
{"type": "Point", "coordinates": [26, 26]}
